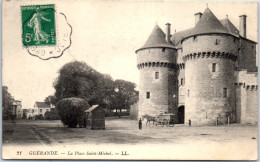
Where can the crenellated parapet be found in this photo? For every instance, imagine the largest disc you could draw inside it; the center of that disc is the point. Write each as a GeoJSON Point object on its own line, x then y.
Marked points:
{"type": "Point", "coordinates": [181, 66]}
{"type": "Point", "coordinates": [247, 87]}
{"type": "Point", "coordinates": [161, 64]}
{"type": "Point", "coordinates": [158, 64]}
{"type": "Point", "coordinates": [198, 55]}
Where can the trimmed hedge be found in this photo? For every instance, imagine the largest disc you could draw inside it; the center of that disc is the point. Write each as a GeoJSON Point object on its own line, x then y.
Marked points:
{"type": "Point", "coordinates": [72, 112]}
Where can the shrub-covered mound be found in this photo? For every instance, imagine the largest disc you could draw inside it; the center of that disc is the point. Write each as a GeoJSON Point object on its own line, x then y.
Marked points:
{"type": "Point", "coordinates": [72, 112]}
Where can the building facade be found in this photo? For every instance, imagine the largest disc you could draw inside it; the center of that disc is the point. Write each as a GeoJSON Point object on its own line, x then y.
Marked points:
{"type": "Point", "coordinates": [207, 74]}
{"type": "Point", "coordinates": [41, 108]}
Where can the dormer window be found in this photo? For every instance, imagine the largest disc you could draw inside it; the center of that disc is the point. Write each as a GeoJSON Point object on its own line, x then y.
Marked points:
{"type": "Point", "coordinates": [163, 49]}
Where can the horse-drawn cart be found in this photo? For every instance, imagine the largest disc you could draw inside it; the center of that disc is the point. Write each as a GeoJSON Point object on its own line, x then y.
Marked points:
{"type": "Point", "coordinates": [165, 120]}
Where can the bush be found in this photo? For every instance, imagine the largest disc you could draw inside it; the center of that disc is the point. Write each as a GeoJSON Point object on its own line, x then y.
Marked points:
{"type": "Point", "coordinates": [52, 115]}
{"type": "Point", "coordinates": [72, 112]}
{"type": "Point", "coordinates": [134, 111]}
{"type": "Point", "coordinates": [39, 117]}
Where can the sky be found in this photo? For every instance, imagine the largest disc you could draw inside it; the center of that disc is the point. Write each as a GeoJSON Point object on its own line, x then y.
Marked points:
{"type": "Point", "coordinates": [105, 36]}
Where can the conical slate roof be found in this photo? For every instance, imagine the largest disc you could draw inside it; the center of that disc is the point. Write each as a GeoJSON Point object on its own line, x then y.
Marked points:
{"type": "Point", "coordinates": [156, 39]}
{"type": "Point", "coordinates": [230, 27]}
{"type": "Point", "coordinates": [208, 24]}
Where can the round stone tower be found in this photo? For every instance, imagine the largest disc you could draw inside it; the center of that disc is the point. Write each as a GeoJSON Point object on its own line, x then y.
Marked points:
{"type": "Point", "coordinates": [156, 62]}
{"type": "Point", "coordinates": [209, 53]}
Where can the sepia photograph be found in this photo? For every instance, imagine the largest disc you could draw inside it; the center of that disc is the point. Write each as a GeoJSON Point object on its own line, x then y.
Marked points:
{"type": "Point", "coordinates": [129, 80]}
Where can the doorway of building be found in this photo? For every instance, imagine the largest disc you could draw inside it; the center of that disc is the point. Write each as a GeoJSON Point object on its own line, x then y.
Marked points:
{"type": "Point", "coordinates": [181, 114]}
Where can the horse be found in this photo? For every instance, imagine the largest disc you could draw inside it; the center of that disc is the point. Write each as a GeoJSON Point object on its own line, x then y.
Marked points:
{"type": "Point", "coordinates": [149, 119]}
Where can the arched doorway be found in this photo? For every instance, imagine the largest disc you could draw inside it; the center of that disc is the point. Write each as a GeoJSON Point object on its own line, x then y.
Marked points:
{"type": "Point", "coordinates": [181, 114]}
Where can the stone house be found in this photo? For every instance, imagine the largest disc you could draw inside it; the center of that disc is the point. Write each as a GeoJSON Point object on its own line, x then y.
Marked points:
{"type": "Point", "coordinates": [41, 108]}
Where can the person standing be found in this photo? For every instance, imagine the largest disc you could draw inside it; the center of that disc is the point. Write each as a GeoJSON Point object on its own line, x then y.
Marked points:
{"type": "Point", "coordinates": [189, 123]}
{"type": "Point", "coordinates": [140, 123]}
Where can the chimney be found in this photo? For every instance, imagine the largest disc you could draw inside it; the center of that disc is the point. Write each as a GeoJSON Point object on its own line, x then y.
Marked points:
{"type": "Point", "coordinates": [242, 25]}
{"type": "Point", "coordinates": [197, 17]}
{"type": "Point", "coordinates": [168, 32]}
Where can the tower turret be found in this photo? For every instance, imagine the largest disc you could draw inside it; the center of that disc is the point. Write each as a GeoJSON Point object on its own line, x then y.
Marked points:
{"type": "Point", "coordinates": [156, 62]}
{"type": "Point", "coordinates": [209, 53]}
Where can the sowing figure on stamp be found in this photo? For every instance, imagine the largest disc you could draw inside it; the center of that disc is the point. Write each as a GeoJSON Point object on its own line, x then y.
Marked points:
{"type": "Point", "coordinates": [35, 22]}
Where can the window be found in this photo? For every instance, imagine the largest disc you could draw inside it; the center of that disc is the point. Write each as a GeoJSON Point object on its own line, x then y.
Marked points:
{"type": "Point", "coordinates": [235, 40]}
{"type": "Point", "coordinates": [47, 110]}
{"type": "Point", "coordinates": [188, 93]}
{"type": "Point", "coordinates": [181, 81]}
{"type": "Point", "coordinates": [195, 39]}
{"type": "Point", "coordinates": [40, 110]}
{"type": "Point", "coordinates": [163, 49]}
{"type": "Point", "coordinates": [238, 50]}
{"type": "Point", "coordinates": [156, 75]}
{"type": "Point", "coordinates": [214, 67]}
{"type": "Point", "coordinates": [224, 92]}
{"type": "Point", "coordinates": [217, 42]}
{"type": "Point", "coordinates": [147, 95]}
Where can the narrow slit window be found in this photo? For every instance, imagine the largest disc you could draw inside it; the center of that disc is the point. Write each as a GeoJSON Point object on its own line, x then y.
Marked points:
{"type": "Point", "coordinates": [147, 95]}
{"type": "Point", "coordinates": [224, 92]}
{"type": "Point", "coordinates": [156, 75]}
{"type": "Point", "coordinates": [163, 49]}
{"type": "Point", "coordinates": [181, 81]}
{"type": "Point", "coordinates": [195, 39]}
{"type": "Point", "coordinates": [217, 42]}
{"type": "Point", "coordinates": [214, 67]}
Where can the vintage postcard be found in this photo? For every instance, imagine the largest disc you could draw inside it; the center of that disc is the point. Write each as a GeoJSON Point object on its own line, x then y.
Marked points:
{"type": "Point", "coordinates": [129, 80]}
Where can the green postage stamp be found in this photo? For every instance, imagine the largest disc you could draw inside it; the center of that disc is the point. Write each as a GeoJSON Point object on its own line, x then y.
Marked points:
{"type": "Point", "coordinates": [38, 25]}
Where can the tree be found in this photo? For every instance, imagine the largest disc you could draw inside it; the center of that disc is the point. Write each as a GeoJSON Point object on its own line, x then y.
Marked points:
{"type": "Point", "coordinates": [7, 102]}
{"type": "Point", "coordinates": [124, 91]}
{"type": "Point", "coordinates": [50, 100]}
{"type": "Point", "coordinates": [72, 112]}
{"type": "Point", "coordinates": [77, 79]}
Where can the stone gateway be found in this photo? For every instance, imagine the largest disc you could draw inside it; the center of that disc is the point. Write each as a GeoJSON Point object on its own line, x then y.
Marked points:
{"type": "Point", "coordinates": [207, 74]}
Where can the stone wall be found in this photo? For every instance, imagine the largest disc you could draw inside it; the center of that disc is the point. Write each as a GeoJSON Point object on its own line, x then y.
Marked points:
{"type": "Point", "coordinates": [162, 89]}
{"type": "Point", "coordinates": [207, 43]}
{"type": "Point", "coordinates": [247, 56]}
{"type": "Point", "coordinates": [246, 97]}
{"type": "Point", "coordinates": [181, 89]}
{"type": "Point", "coordinates": [156, 55]}
{"type": "Point", "coordinates": [205, 100]}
